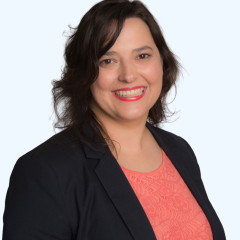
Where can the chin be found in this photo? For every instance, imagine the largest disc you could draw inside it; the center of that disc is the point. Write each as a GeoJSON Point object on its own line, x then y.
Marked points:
{"type": "Point", "coordinates": [132, 115]}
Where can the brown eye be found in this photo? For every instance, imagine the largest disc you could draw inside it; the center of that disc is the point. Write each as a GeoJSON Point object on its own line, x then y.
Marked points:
{"type": "Point", "coordinates": [106, 62]}
{"type": "Point", "coordinates": [143, 56]}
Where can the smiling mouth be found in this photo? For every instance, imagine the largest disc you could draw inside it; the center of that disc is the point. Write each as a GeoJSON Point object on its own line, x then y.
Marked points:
{"type": "Point", "coordinates": [132, 93]}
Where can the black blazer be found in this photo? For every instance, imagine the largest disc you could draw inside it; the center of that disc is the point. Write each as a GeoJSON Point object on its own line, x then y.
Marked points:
{"type": "Point", "coordinates": [73, 193]}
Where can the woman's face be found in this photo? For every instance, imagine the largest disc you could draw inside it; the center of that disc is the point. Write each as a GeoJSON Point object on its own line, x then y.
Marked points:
{"type": "Point", "coordinates": [132, 62]}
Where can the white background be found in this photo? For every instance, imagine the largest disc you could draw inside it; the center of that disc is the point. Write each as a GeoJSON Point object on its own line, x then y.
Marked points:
{"type": "Point", "coordinates": [203, 34]}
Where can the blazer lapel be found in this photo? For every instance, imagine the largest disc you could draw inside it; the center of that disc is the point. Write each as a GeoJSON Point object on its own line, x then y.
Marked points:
{"type": "Point", "coordinates": [123, 197]}
{"type": "Point", "coordinates": [120, 192]}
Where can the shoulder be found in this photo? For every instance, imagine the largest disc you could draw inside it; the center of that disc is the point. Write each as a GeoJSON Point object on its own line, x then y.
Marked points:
{"type": "Point", "coordinates": [37, 188]}
{"type": "Point", "coordinates": [57, 154]}
{"type": "Point", "coordinates": [179, 141]}
{"type": "Point", "coordinates": [172, 139]}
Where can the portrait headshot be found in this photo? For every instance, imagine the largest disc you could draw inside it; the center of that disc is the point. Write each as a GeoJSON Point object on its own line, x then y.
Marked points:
{"type": "Point", "coordinates": [115, 123]}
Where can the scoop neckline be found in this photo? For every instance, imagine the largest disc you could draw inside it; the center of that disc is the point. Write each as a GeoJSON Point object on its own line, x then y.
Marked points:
{"type": "Point", "coordinates": [148, 173]}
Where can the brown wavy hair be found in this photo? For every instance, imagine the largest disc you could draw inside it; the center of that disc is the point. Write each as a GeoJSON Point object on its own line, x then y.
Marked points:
{"type": "Point", "coordinates": [90, 40]}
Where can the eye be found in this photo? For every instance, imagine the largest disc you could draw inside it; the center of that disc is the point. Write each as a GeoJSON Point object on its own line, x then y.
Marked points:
{"type": "Point", "coordinates": [143, 56]}
{"type": "Point", "coordinates": [105, 62]}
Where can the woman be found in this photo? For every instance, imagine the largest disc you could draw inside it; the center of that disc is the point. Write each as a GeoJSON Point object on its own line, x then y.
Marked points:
{"type": "Point", "coordinates": [112, 173]}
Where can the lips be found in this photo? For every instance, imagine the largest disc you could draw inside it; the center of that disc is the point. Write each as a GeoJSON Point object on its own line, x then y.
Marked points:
{"type": "Point", "coordinates": [134, 94]}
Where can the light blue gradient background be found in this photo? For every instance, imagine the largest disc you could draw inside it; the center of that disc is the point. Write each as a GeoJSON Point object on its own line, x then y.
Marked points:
{"type": "Point", "coordinates": [203, 34]}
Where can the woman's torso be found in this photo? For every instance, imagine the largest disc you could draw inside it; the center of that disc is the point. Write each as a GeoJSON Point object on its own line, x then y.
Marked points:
{"type": "Point", "coordinates": [88, 192]}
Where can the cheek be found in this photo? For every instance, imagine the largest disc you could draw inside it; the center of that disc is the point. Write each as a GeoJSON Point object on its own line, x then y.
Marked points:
{"type": "Point", "coordinates": [103, 82]}
{"type": "Point", "coordinates": [153, 74]}
{"type": "Point", "coordinates": [102, 87]}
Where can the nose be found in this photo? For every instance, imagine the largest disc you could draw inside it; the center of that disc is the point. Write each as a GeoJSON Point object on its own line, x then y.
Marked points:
{"type": "Point", "coordinates": [128, 72]}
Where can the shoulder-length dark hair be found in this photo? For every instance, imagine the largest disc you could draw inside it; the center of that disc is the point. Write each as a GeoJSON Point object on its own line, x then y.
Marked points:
{"type": "Point", "coordinates": [91, 39]}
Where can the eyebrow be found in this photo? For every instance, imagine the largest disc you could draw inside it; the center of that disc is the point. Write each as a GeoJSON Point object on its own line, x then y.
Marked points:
{"type": "Point", "coordinates": [134, 50]}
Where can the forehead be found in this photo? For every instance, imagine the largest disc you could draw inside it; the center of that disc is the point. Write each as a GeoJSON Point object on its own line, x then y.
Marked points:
{"type": "Point", "coordinates": [135, 35]}
{"type": "Point", "coordinates": [135, 25]}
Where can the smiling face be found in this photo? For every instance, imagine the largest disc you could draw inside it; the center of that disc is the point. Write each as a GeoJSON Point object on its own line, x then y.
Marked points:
{"type": "Point", "coordinates": [133, 61]}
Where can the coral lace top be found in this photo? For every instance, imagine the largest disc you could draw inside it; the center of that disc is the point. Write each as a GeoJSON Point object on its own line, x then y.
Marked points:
{"type": "Point", "coordinates": [169, 205]}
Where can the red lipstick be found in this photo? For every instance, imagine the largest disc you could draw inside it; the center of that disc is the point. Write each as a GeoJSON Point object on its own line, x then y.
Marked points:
{"type": "Point", "coordinates": [134, 98]}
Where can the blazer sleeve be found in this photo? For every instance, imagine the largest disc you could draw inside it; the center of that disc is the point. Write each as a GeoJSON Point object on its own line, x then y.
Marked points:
{"type": "Point", "coordinates": [193, 154]}
{"type": "Point", "coordinates": [200, 183]}
{"type": "Point", "coordinates": [34, 206]}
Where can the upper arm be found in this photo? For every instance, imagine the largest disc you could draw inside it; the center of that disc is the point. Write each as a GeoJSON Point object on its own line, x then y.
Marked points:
{"type": "Point", "coordinates": [193, 154]}
{"type": "Point", "coordinates": [34, 206]}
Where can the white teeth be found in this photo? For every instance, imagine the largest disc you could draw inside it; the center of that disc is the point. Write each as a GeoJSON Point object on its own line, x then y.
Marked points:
{"type": "Point", "coordinates": [131, 93]}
